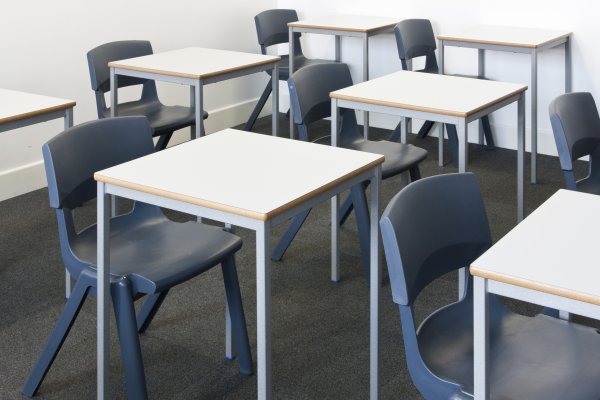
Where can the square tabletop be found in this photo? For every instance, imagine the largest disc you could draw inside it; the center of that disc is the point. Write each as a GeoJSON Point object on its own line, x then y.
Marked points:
{"type": "Point", "coordinates": [242, 173]}
{"type": "Point", "coordinates": [349, 23]}
{"type": "Point", "coordinates": [506, 36]}
{"type": "Point", "coordinates": [433, 93]}
{"type": "Point", "coordinates": [554, 250]}
{"type": "Point", "coordinates": [15, 105]}
{"type": "Point", "coordinates": [195, 62]}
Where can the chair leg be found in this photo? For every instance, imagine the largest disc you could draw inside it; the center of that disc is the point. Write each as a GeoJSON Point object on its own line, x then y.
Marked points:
{"type": "Point", "coordinates": [289, 235]}
{"type": "Point", "coordinates": [258, 108]}
{"type": "Point", "coordinates": [131, 352]}
{"type": "Point", "coordinates": [487, 132]}
{"type": "Point", "coordinates": [425, 128]}
{"type": "Point", "coordinates": [453, 141]}
{"type": "Point", "coordinates": [58, 336]}
{"type": "Point", "coordinates": [395, 136]}
{"type": "Point", "coordinates": [149, 309]}
{"type": "Point", "coordinates": [236, 310]}
{"type": "Point", "coordinates": [163, 141]}
{"type": "Point", "coordinates": [362, 223]}
{"type": "Point", "coordinates": [415, 173]}
{"type": "Point", "coordinates": [346, 209]}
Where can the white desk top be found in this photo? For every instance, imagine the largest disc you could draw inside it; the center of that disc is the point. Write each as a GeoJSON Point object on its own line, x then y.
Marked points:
{"type": "Point", "coordinates": [350, 23]}
{"type": "Point", "coordinates": [195, 62]}
{"type": "Point", "coordinates": [554, 250]}
{"type": "Point", "coordinates": [15, 105]}
{"type": "Point", "coordinates": [506, 36]}
{"type": "Point", "coordinates": [243, 173]}
{"type": "Point", "coordinates": [439, 94]}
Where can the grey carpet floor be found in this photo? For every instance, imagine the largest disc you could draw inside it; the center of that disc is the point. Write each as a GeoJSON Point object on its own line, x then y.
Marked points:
{"type": "Point", "coordinates": [320, 330]}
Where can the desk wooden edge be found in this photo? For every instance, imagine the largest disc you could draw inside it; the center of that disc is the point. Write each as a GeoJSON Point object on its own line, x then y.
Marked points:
{"type": "Point", "coordinates": [235, 210]}
{"type": "Point", "coordinates": [466, 114]}
{"type": "Point", "coordinates": [273, 60]}
{"type": "Point", "coordinates": [497, 43]}
{"type": "Point", "coordinates": [35, 113]}
{"type": "Point", "coordinates": [525, 283]}
{"type": "Point", "coordinates": [337, 28]}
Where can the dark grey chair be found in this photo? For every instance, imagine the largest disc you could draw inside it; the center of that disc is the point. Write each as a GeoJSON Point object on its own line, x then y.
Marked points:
{"type": "Point", "coordinates": [272, 29]}
{"type": "Point", "coordinates": [438, 225]}
{"type": "Point", "coordinates": [149, 253]}
{"type": "Point", "coordinates": [576, 128]}
{"type": "Point", "coordinates": [309, 94]}
{"type": "Point", "coordinates": [415, 38]}
{"type": "Point", "coordinates": [164, 120]}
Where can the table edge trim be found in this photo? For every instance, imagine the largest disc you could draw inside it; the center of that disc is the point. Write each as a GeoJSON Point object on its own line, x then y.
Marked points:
{"type": "Point", "coordinates": [497, 43]}
{"type": "Point", "coordinates": [331, 28]}
{"type": "Point", "coordinates": [35, 113]}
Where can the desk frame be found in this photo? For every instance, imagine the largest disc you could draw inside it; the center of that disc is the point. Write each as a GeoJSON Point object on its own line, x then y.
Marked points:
{"type": "Point", "coordinates": [533, 51]}
{"type": "Point", "coordinates": [196, 89]}
{"type": "Point", "coordinates": [263, 267]}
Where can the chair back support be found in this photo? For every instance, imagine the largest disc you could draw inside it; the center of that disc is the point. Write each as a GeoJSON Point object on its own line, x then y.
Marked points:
{"type": "Point", "coordinates": [576, 128]}
{"type": "Point", "coordinates": [310, 87]}
{"type": "Point", "coordinates": [72, 157]}
{"type": "Point", "coordinates": [272, 29]}
{"type": "Point", "coordinates": [433, 226]}
{"type": "Point", "coordinates": [415, 38]}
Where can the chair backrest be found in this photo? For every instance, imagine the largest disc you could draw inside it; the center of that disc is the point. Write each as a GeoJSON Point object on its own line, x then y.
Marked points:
{"type": "Point", "coordinates": [576, 127]}
{"type": "Point", "coordinates": [415, 38]}
{"type": "Point", "coordinates": [98, 59]}
{"type": "Point", "coordinates": [72, 157]}
{"type": "Point", "coordinates": [272, 29]}
{"type": "Point", "coordinates": [433, 226]}
{"type": "Point", "coordinates": [309, 95]}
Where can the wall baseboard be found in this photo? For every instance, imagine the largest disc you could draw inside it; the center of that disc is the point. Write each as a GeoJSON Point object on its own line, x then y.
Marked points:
{"type": "Point", "coordinates": [30, 177]}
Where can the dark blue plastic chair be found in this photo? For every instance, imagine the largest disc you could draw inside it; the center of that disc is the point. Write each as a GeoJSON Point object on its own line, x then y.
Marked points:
{"type": "Point", "coordinates": [149, 253]}
{"type": "Point", "coordinates": [309, 94]}
{"type": "Point", "coordinates": [576, 128]}
{"type": "Point", "coordinates": [438, 225]}
{"type": "Point", "coordinates": [415, 38]}
{"type": "Point", "coordinates": [164, 120]}
{"type": "Point", "coordinates": [272, 29]}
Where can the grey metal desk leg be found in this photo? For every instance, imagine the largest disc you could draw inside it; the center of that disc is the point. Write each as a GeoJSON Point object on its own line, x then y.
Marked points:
{"type": "Point", "coordinates": [335, 200]}
{"type": "Point", "coordinates": [480, 74]}
{"type": "Point", "coordinates": [114, 100]}
{"type": "Point", "coordinates": [366, 78]}
{"type": "Point", "coordinates": [520, 157]}
{"type": "Point", "coordinates": [441, 56]}
{"type": "Point", "coordinates": [193, 106]}
{"type": "Point", "coordinates": [568, 71]}
{"type": "Point", "coordinates": [534, 71]}
{"type": "Point", "coordinates": [463, 154]}
{"type": "Point", "coordinates": [403, 130]}
{"type": "Point", "coordinates": [375, 283]}
{"type": "Point", "coordinates": [68, 124]}
{"type": "Point", "coordinates": [291, 71]}
{"type": "Point", "coordinates": [338, 50]}
{"type": "Point", "coordinates": [441, 128]}
{"type": "Point", "coordinates": [480, 338]}
{"type": "Point", "coordinates": [263, 309]}
{"type": "Point", "coordinates": [199, 109]}
{"type": "Point", "coordinates": [275, 101]}
{"type": "Point", "coordinates": [103, 263]}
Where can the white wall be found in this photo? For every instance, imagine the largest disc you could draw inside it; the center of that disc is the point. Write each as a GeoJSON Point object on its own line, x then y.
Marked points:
{"type": "Point", "coordinates": [578, 16]}
{"type": "Point", "coordinates": [43, 50]}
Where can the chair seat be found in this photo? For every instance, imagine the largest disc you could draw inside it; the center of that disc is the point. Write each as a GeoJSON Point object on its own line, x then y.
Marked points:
{"type": "Point", "coordinates": [163, 119]}
{"type": "Point", "coordinates": [155, 252]}
{"type": "Point", "coordinates": [521, 365]}
{"type": "Point", "coordinates": [299, 62]}
{"type": "Point", "coordinates": [399, 157]}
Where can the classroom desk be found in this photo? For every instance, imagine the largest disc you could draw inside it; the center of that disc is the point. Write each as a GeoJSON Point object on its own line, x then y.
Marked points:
{"type": "Point", "coordinates": [359, 26]}
{"type": "Point", "coordinates": [514, 40]}
{"type": "Point", "coordinates": [550, 259]}
{"type": "Point", "coordinates": [265, 181]}
{"type": "Point", "coordinates": [441, 98]}
{"type": "Point", "coordinates": [196, 67]}
{"type": "Point", "coordinates": [20, 109]}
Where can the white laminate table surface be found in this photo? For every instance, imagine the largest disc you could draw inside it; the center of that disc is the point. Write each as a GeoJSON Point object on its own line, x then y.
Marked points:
{"type": "Point", "coordinates": [553, 250]}
{"type": "Point", "coordinates": [455, 96]}
{"type": "Point", "coordinates": [506, 36]}
{"type": "Point", "coordinates": [15, 105]}
{"type": "Point", "coordinates": [195, 62]}
{"type": "Point", "coordinates": [264, 181]}
{"type": "Point", "coordinates": [351, 23]}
